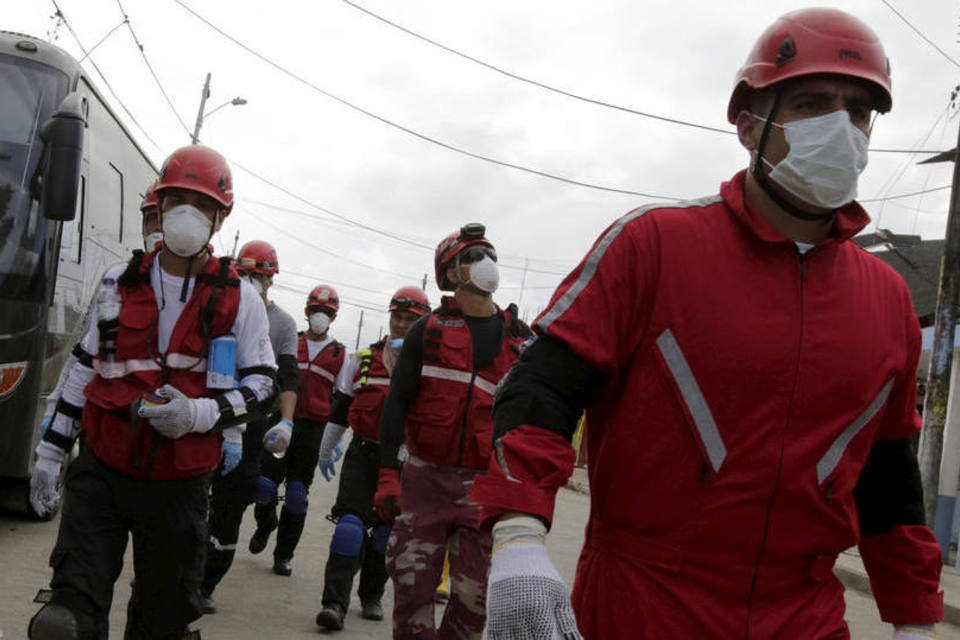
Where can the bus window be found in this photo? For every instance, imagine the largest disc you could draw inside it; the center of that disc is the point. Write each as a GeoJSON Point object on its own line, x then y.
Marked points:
{"type": "Point", "coordinates": [76, 227]}
{"type": "Point", "coordinates": [116, 178]}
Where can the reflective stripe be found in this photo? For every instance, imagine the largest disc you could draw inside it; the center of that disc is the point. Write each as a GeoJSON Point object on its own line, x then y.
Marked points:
{"type": "Point", "coordinates": [221, 547]}
{"type": "Point", "coordinates": [693, 398]}
{"type": "Point", "coordinates": [443, 373]}
{"type": "Point", "coordinates": [485, 385]}
{"type": "Point", "coordinates": [593, 260]}
{"type": "Point", "coordinates": [832, 457]}
{"type": "Point", "coordinates": [120, 368]}
{"type": "Point", "coordinates": [385, 382]}
{"type": "Point", "coordinates": [320, 371]}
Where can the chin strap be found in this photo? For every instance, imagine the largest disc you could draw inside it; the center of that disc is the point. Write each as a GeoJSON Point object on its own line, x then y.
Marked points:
{"type": "Point", "coordinates": [761, 177]}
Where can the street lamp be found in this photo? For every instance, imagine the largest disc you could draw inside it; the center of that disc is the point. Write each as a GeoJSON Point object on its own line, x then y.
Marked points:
{"type": "Point", "coordinates": [194, 138]}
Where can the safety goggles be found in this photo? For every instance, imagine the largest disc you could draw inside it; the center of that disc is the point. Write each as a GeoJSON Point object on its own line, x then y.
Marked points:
{"type": "Point", "coordinates": [403, 302]}
{"type": "Point", "coordinates": [249, 264]}
{"type": "Point", "coordinates": [476, 253]}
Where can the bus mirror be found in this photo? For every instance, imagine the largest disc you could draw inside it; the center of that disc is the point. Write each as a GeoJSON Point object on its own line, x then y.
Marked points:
{"type": "Point", "coordinates": [63, 135]}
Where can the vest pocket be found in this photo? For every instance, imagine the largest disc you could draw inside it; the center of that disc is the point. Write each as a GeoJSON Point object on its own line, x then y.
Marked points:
{"type": "Point", "coordinates": [196, 453]}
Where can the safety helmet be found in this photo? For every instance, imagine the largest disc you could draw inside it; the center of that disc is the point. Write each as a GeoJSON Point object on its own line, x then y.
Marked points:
{"type": "Point", "coordinates": [258, 256]}
{"type": "Point", "coordinates": [812, 41]}
{"type": "Point", "coordinates": [469, 235]}
{"type": "Point", "coordinates": [324, 296]}
{"type": "Point", "coordinates": [201, 169]}
{"type": "Point", "coordinates": [411, 299]}
{"type": "Point", "coordinates": [150, 198]}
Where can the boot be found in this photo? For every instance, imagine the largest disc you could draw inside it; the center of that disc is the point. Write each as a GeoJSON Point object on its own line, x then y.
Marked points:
{"type": "Point", "coordinates": [331, 617]}
{"type": "Point", "coordinates": [266, 515]}
{"type": "Point", "coordinates": [207, 603]}
{"type": "Point", "coordinates": [371, 610]}
{"type": "Point", "coordinates": [281, 566]}
{"type": "Point", "coordinates": [288, 534]}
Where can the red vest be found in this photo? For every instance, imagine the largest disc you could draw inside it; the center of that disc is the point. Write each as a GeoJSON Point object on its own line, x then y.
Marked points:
{"type": "Point", "coordinates": [317, 379]}
{"type": "Point", "coordinates": [128, 444]}
{"type": "Point", "coordinates": [370, 387]}
{"type": "Point", "coordinates": [451, 420]}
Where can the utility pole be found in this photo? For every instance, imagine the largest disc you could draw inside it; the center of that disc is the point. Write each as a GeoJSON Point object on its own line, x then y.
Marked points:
{"type": "Point", "coordinates": [236, 239]}
{"type": "Point", "coordinates": [423, 285]}
{"type": "Point", "coordinates": [523, 280]}
{"type": "Point", "coordinates": [359, 329]}
{"type": "Point", "coordinates": [203, 102]}
{"type": "Point", "coordinates": [940, 484]}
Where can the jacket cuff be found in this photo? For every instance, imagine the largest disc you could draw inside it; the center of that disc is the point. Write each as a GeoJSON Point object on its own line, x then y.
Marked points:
{"type": "Point", "coordinates": [904, 566]}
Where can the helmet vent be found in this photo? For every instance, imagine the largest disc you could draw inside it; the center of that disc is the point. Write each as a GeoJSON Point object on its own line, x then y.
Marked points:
{"type": "Point", "coordinates": [787, 51]}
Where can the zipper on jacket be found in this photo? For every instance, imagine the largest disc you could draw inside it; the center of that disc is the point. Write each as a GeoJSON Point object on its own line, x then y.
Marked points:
{"type": "Point", "coordinates": [466, 416]}
{"type": "Point", "coordinates": [802, 260]}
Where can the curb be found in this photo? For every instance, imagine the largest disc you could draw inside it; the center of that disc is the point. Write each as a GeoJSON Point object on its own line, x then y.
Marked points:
{"type": "Point", "coordinates": [859, 582]}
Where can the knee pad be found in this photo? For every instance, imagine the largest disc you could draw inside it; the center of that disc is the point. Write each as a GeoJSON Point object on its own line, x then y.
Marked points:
{"type": "Point", "coordinates": [54, 622]}
{"type": "Point", "coordinates": [348, 536]}
{"type": "Point", "coordinates": [266, 490]}
{"type": "Point", "coordinates": [380, 536]}
{"type": "Point", "coordinates": [296, 497]}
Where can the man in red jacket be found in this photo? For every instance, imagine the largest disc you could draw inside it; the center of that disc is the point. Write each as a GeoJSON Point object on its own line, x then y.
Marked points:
{"type": "Point", "coordinates": [439, 408]}
{"type": "Point", "coordinates": [155, 423]}
{"type": "Point", "coordinates": [748, 374]}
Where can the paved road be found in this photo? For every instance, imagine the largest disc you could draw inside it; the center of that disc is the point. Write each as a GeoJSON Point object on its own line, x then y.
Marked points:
{"type": "Point", "coordinates": [254, 604]}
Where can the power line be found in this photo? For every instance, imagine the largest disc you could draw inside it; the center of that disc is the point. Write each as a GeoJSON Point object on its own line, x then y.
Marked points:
{"type": "Point", "coordinates": [906, 195]}
{"type": "Point", "coordinates": [530, 81]}
{"type": "Point", "coordinates": [368, 306]}
{"type": "Point", "coordinates": [100, 42]}
{"type": "Point", "coordinates": [153, 73]}
{"type": "Point", "coordinates": [62, 16]}
{"type": "Point", "coordinates": [409, 131]}
{"type": "Point", "coordinates": [920, 33]}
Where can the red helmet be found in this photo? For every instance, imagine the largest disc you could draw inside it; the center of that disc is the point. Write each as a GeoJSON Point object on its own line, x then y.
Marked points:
{"type": "Point", "coordinates": [812, 41]}
{"type": "Point", "coordinates": [258, 256]}
{"type": "Point", "coordinates": [201, 169]}
{"type": "Point", "coordinates": [411, 299]}
{"type": "Point", "coordinates": [325, 296]}
{"type": "Point", "coordinates": [469, 235]}
{"type": "Point", "coordinates": [150, 198]}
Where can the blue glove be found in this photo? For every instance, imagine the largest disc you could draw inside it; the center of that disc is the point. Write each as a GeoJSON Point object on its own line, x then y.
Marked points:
{"type": "Point", "coordinates": [45, 424]}
{"type": "Point", "coordinates": [338, 451]}
{"type": "Point", "coordinates": [232, 454]}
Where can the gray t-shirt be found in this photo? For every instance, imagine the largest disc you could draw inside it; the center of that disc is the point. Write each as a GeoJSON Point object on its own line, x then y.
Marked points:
{"type": "Point", "coordinates": [283, 331]}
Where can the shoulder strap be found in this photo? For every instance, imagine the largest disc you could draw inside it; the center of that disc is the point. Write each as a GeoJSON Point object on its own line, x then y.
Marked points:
{"type": "Point", "coordinates": [220, 282]}
{"type": "Point", "coordinates": [136, 272]}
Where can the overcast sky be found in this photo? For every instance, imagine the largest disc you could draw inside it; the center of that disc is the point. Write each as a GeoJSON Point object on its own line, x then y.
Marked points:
{"type": "Point", "coordinates": [675, 58]}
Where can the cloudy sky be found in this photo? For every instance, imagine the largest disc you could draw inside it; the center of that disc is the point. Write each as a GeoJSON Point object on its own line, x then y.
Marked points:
{"type": "Point", "coordinates": [675, 58]}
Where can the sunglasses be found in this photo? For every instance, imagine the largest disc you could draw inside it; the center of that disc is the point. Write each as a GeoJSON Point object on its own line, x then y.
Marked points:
{"type": "Point", "coordinates": [477, 253]}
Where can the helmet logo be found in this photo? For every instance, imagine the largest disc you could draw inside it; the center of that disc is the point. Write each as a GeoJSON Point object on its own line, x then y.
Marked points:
{"type": "Point", "coordinates": [787, 51]}
{"type": "Point", "coordinates": [850, 54]}
{"type": "Point", "coordinates": [222, 184]}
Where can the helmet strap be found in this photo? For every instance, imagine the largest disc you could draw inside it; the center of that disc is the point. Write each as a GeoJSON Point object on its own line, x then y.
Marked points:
{"type": "Point", "coordinates": [761, 177]}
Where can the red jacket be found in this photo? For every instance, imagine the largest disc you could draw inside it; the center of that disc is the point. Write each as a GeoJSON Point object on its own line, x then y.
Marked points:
{"type": "Point", "coordinates": [134, 448]}
{"type": "Point", "coordinates": [747, 384]}
{"type": "Point", "coordinates": [450, 421]}
{"type": "Point", "coordinates": [317, 378]}
{"type": "Point", "coordinates": [370, 387]}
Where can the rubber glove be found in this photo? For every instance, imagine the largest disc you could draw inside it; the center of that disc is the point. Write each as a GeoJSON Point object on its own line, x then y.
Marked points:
{"type": "Point", "coordinates": [232, 455]}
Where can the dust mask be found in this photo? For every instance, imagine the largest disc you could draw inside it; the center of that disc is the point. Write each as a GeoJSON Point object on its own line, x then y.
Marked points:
{"type": "Point", "coordinates": [256, 285]}
{"type": "Point", "coordinates": [186, 230]}
{"type": "Point", "coordinates": [151, 240]}
{"type": "Point", "coordinates": [826, 157]}
{"type": "Point", "coordinates": [319, 323]}
{"type": "Point", "coordinates": [485, 275]}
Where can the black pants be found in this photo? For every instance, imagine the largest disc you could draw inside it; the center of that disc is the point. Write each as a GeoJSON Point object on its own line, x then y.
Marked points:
{"type": "Point", "coordinates": [300, 465]}
{"type": "Point", "coordinates": [230, 495]}
{"type": "Point", "coordinates": [168, 522]}
{"type": "Point", "coordinates": [358, 485]}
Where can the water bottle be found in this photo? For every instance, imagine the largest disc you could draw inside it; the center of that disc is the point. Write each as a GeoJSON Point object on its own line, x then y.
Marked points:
{"type": "Point", "coordinates": [108, 310]}
{"type": "Point", "coordinates": [222, 363]}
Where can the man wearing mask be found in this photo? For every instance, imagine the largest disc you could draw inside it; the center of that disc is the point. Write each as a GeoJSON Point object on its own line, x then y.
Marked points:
{"type": "Point", "coordinates": [358, 402]}
{"type": "Point", "coordinates": [748, 374]}
{"type": "Point", "coordinates": [439, 406]}
{"type": "Point", "coordinates": [319, 357]}
{"type": "Point", "coordinates": [155, 423]}
{"type": "Point", "coordinates": [231, 492]}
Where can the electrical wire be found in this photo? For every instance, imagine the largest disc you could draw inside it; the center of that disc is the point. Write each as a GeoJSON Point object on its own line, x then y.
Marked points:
{"type": "Point", "coordinates": [150, 68]}
{"type": "Point", "coordinates": [921, 34]}
{"type": "Point", "coordinates": [906, 195]}
{"type": "Point", "coordinates": [409, 131]}
{"type": "Point", "coordinates": [99, 42]}
{"type": "Point", "coordinates": [367, 306]}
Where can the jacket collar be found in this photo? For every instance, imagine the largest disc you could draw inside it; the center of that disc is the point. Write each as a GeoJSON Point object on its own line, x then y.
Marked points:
{"type": "Point", "coordinates": [849, 221]}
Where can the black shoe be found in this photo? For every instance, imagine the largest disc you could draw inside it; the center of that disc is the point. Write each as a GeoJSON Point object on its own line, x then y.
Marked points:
{"type": "Point", "coordinates": [207, 603]}
{"type": "Point", "coordinates": [259, 540]}
{"type": "Point", "coordinates": [282, 567]}
{"type": "Point", "coordinates": [331, 617]}
{"type": "Point", "coordinates": [371, 610]}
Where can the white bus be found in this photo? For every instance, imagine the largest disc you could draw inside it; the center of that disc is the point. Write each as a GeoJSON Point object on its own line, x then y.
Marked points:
{"type": "Point", "coordinates": [71, 179]}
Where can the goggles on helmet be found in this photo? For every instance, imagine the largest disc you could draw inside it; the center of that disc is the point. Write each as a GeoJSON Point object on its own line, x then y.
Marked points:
{"type": "Point", "coordinates": [476, 253]}
{"type": "Point", "coordinates": [249, 264]}
{"type": "Point", "coordinates": [403, 302]}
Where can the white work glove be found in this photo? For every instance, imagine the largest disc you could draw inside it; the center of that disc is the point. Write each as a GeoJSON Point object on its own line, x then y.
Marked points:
{"type": "Point", "coordinates": [332, 434]}
{"type": "Point", "coordinates": [526, 598]}
{"type": "Point", "coordinates": [277, 438]}
{"type": "Point", "coordinates": [44, 496]}
{"type": "Point", "coordinates": [916, 632]}
{"type": "Point", "coordinates": [176, 418]}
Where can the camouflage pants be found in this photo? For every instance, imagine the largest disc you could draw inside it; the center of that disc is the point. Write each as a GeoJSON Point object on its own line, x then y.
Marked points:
{"type": "Point", "coordinates": [437, 518]}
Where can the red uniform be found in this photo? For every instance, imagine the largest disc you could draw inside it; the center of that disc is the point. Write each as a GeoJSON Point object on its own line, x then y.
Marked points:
{"type": "Point", "coordinates": [134, 448]}
{"type": "Point", "coordinates": [317, 378]}
{"type": "Point", "coordinates": [746, 386]}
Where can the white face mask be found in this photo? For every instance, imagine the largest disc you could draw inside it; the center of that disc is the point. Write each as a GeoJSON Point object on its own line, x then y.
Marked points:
{"type": "Point", "coordinates": [827, 155]}
{"type": "Point", "coordinates": [485, 275]}
{"type": "Point", "coordinates": [151, 240]}
{"type": "Point", "coordinates": [319, 323]}
{"type": "Point", "coordinates": [256, 285]}
{"type": "Point", "coordinates": [186, 230]}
